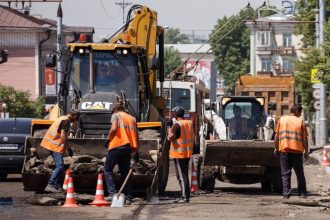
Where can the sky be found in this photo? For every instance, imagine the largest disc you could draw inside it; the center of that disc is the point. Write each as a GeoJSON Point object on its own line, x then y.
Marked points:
{"type": "Point", "coordinates": [106, 16]}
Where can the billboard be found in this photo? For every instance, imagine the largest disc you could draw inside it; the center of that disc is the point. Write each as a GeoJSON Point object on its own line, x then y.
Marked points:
{"type": "Point", "coordinates": [50, 81]}
{"type": "Point", "coordinates": [202, 71]}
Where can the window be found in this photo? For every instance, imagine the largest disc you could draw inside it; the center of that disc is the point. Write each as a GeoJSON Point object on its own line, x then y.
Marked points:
{"type": "Point", "coordinates": [287, 39]}
{"type": "Point", "coordinates": [221, 83]}
{"type": "Point", "coordinates": [263, 38]}
{"type": "Point", "coordinates": [266, 65]}
{"type": "Point", "coordinates": [287, 64]}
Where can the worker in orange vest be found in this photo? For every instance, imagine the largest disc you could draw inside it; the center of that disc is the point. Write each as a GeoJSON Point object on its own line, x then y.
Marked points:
{"type": "Point", "coordinates": [55, 140]}
{"type": "Point", "coordinates": [291, 144]}
{"type": "Point", "coordinates": [122, 144]}
{"type": "Point", "coordinates": [181, 135]}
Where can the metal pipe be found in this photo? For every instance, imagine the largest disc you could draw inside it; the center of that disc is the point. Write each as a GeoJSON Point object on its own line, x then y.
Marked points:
{"type": "Point", "coordinates": [59, 46]}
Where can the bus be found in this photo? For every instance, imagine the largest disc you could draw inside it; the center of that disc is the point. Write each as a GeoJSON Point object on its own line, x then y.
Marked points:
{"type": "Point", "coordinates": [190, 96]}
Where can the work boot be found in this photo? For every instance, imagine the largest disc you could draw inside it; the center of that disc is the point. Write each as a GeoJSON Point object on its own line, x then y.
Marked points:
{"type": "Point", "coordinates": [286, 197]}
{"type": "Point", "coordinates": [303, 196]}
{"type": "Point", "coordinates": [109, 198]}
{"type": "Point", "coordinates": [182, 200]}
{"type": "Point", "coordinates": [52, 189]}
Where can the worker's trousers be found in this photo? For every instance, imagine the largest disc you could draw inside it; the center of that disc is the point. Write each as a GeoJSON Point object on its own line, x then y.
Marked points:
{"type": "Point", "coordinates": [295, 161]}
{"type": "Point", "coordinates": [122, 157]}
{"type": "Point", "coordinates": [182, 170]}
{"type": "Point", "coordinates": [58, 171]}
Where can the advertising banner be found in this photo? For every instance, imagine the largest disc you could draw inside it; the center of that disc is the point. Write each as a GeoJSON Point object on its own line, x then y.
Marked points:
{"type": "Point", "coordinates": [50, 81]}
{"type": "Point", "coordinates": [202, 71]}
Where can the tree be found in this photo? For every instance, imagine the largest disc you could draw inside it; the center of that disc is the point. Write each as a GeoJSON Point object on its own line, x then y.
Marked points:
{"type": "Point", "coordinates": [173, 36]}
{"type": "Point", "coordinates": [232, 51]}
{"type": "Point", "coordinates": [172, 60]}
{"type": "Point", "coordinates": [314, 57]}
{"type": "Point", "coordinates": [19, 104]}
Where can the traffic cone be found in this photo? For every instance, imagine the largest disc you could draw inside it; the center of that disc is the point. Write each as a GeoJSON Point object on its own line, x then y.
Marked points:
{"type": "Point", "coordinates": [325, 161]}
{"type": "Point", "coordinates": [66, 179]}
{"type": "Point", "coordinates": [69, 201]}
{"type": "Point", "coordinates": [99, 195]}
{"type": "Point", "coordinates": [194, 183]}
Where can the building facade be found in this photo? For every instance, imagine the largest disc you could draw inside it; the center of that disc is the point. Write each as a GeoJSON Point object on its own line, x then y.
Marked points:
{"type": "Point", "coordinates": [273, 45]}
{"type": "Point", "coordinates": [28, 39]}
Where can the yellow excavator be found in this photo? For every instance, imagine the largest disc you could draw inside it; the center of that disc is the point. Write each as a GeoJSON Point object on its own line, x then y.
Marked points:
{"type": "Point", "coordinates": [124, 66]}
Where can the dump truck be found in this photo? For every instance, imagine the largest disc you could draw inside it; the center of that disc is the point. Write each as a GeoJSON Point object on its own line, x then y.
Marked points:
{"type": "Point", "coordinates": [241, 153]}
{"type": "Point", "coordinates": [125, 67]}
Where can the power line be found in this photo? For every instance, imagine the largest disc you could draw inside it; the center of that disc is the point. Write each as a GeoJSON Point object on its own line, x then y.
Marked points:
{"type": "Point", "coordinates": [123, 5]}
{"type": "Point", "coordinates": [106, 13]}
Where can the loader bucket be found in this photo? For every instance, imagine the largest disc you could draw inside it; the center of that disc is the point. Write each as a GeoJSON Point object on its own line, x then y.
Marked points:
{"type": "Point", "coordinates": [240, 153]}
{"type": "Point", "coordinates": [85, 146]}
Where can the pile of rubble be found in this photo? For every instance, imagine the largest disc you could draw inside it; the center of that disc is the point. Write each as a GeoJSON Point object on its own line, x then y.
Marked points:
{"type": "Point", "coordinates": [83, 164]}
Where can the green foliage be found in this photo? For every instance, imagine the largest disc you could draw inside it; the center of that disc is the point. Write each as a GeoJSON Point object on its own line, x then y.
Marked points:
{"type": "Point", "coordinates": [173, 36]}
{"type": "Point", "coordinates": [314, 57]}
{"type": "Point", "coordinates": [172, 60]}
{"type": "Point", "coordinates": [19, 104]}
{"type": "Point", "coordinates": [232, 51]}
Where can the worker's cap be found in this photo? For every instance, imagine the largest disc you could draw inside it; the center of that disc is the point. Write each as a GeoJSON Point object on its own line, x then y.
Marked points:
{"type": "Point", "coordinates": [118, 106]}
{"type": "Point", "coordinates": [74, 113]}
{"type": "Point", "coordinates": [178, 111]}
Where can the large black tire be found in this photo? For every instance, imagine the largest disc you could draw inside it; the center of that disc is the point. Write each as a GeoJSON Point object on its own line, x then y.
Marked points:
{"type": "Point", "coordinates": [266, 180]}
{"type": "Point", "coordinates": [163, 175]}
{"type": "Point", "coordinates": [205, 176]}
{"type": "Point", "coordinates": [3, 176]}
{"type": "Point", "coordinates": [277, 185]}
{"type": "Point", "coordinates": [272, 180]}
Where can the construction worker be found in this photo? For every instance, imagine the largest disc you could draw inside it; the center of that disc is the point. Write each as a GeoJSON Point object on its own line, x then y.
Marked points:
{"type": "Point", "coordinates": [122, 143]}
{"type": "Point", "coordinates": [291, 143]}
{"type": "Point", "coordinates": [55, 140]}
{"type": "Point", "coordinates": [181, 135]}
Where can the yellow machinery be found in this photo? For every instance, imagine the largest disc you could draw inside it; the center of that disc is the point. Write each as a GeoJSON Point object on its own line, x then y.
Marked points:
{"type": "Point", "coordinates": [124, 66]}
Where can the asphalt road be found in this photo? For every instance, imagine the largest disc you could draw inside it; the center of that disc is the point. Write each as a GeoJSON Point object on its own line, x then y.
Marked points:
{"type": "Point", "coordinates": [227, 202]}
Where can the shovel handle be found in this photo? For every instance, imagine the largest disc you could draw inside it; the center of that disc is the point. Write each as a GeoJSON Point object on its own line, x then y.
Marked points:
{"type": "Point", "coordinates": [125, 181]}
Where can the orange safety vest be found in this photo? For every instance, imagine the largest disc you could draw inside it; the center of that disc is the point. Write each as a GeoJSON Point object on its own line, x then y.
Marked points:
{"type": "Point", "coordinates": [183, 146]}
{"type": "Point", "coordinates": [291, 133]}
{"type": "Point", "coordinates": [52, 139]}
{"type": "Point", "coordinates": [126, 132]}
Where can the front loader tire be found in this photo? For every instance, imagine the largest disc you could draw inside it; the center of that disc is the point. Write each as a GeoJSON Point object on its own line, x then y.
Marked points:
{"type": "Point", "coordinates": [206, 176]}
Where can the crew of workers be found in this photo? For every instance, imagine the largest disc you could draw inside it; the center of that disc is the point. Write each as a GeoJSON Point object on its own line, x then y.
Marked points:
{"type": "Point", "coordinates": [122, 143]}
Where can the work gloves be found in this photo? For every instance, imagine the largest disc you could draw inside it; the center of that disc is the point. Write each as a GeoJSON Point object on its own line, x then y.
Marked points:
{"type": "Point", "coordinates": [135, 157]}
{"type": "Point", "coordinates": [70, 152]}
{"type": "Point", "coordinates": [106, 144]}
{"type": "Point", "coordinates": [169, 124]}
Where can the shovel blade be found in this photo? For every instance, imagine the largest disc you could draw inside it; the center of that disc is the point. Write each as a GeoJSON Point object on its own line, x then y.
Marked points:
{"type": "Point", "coordinates": [118, 200]}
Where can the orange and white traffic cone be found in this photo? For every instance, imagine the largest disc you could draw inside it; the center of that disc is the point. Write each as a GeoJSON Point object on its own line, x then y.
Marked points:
{"type": "Point", "coordinates": [70, 201]}
{"type": "Point", "coordinates": [194, 183]}
{"type": "Point", "coordinates": [99, 195]}
{"type": "Point", "coordinates": [325, 159]}
{"type": "Point", "coordinates": [66, 179]}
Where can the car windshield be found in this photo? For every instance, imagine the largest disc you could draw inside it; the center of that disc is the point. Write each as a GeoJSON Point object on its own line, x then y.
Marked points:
{"type": "Point", "coordinates": [242, 118]}
{"type": "Point", "coordinates": [179, 97]}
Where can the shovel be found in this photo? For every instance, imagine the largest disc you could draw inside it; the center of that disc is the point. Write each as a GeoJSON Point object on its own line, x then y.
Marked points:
{"type": "Point", "coordinates": [118, 199]}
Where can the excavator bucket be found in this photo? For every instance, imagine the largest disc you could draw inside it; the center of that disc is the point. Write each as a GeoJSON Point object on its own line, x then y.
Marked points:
{"type": "Point", "coordinates": [85, 146]}
{"type": "Point", "coordinates": [240, 153]}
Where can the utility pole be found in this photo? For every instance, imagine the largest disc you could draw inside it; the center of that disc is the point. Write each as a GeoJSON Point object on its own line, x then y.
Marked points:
{"type": "Point", "coordinates": [323, 138]}
{"type": "Point", "coordinates": [123, 5]}
{"type": "Point", "coordinates": [59, 47]}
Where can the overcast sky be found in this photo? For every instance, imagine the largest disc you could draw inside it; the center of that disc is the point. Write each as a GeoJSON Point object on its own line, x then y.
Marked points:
{"type": "Point", "coordinates": [106, 17]}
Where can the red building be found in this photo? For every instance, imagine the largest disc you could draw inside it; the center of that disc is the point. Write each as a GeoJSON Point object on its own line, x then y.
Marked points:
{"type": "Point", "coordinates": [27, 40]}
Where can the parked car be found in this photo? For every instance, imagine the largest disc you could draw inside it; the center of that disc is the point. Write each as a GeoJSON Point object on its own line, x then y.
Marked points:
{"type": "Point", "coordinates": [13, 132]}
